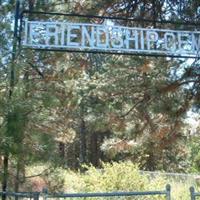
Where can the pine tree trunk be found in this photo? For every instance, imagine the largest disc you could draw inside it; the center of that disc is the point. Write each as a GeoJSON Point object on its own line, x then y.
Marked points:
{"type": "Point", "coordinates": [17, 178]}
{"type": "Point", "coordinates": [5, 175]}
{"type": "Point", "coordinates": [82, 142]}
{"type": "Point", "coordinates": [94, 150]}
{"type": "Point", "coordinates": [62, 152]}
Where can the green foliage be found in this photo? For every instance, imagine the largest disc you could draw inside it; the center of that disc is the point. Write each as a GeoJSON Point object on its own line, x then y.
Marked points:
{"type": "Point", "coordinates": [123, 176]}
{"type": "Point", "coordinates": [55, 180]}
{"type": "Point", "coordinates": [194, 146]}
{"type": "Point", "coordinates": [114, 176]}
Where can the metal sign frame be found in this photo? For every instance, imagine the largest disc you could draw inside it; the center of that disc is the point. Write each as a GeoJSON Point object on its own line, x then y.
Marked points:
{"type": "Point", "coordinates": [109, 51]}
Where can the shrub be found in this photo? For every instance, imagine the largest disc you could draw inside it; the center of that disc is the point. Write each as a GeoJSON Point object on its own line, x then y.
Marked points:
{"type": "Point", "coordinates": [121, 176]}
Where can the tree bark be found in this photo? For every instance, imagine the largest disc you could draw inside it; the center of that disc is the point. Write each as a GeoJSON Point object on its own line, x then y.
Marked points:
{"type": "Point", "coordinates": [94, 149]}
{"type": "Point", "coordinates": [82, 142]}
{"type": "Point", "coordinates": [62, 152]}
{"type": "Point", "coordinates": [17, 178]}
{"type": "Point", "coordinates": [5, 175]}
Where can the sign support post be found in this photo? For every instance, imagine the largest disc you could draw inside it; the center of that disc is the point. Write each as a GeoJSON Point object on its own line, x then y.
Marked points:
{"type": "Point", "coordinates": [11, 88]}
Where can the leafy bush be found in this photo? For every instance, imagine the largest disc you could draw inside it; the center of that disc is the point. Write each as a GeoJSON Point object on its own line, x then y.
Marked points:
{"type": "Point", "coordinates": [114, 177]}
{"type": "Point", "coordinates": [122, 176]}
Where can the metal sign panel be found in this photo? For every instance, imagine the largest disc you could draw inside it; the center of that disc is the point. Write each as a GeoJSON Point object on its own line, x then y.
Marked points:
{"type": "Point", "coordinates": [107, 37]}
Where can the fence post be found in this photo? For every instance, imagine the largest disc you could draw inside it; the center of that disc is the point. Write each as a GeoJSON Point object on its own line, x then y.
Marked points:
{"type": "Point", "coordinates": [36, 195]}
{"type": "Point", "coordinates": [44, 193]}
{"type": "Point", "coordinates": [192, 193]}
{"type": "Point", "coordinates": [168, 192]}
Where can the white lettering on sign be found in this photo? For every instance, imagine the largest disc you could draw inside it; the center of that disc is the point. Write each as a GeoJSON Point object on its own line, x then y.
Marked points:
{"type": "Point", "coordinates": [120, 39]}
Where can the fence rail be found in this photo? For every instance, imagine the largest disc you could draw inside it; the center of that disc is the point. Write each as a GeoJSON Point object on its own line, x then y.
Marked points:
{"type": "Point", "coordinates": [20, 195]}
{"type": "Point", "coordinates": [45, 195]}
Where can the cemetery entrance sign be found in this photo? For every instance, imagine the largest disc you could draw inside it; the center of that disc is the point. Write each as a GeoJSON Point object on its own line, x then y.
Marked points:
{"type": "Point", "coordinates": [109, 38]}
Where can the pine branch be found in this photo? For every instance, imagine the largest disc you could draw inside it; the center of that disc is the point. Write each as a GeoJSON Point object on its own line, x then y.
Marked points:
{"type": "Point", "coordinates": [37, 70]}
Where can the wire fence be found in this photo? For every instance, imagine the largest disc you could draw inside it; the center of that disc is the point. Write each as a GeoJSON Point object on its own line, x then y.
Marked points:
{"type": "Point", "coordinates": [192, 179]}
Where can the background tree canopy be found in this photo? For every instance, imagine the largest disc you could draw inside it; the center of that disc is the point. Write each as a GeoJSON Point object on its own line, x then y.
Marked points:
{"type": "Point", "coordinates": [67, 109]}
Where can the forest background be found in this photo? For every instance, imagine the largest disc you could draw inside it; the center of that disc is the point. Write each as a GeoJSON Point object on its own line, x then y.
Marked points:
{"type": "Point", "coordinates": [68, 110]}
